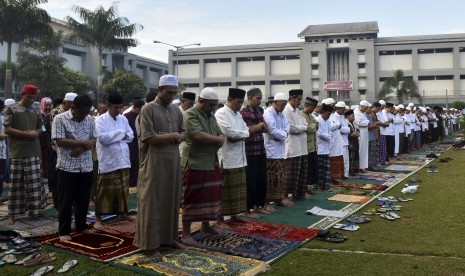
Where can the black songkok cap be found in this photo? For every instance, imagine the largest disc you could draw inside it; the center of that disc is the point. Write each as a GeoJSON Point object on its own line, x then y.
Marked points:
{"type": "Point", "coordinates": [139, 103]}
{"type": "Point", "coordinates": [376, 104]}
{"type": "Point", "coordinates": [326, 108]}
{"type": "Point", "coordinates": [236, 93]}
{"type": "Point", "coordinates": [349, 112]}
{"type": "Point", "coordinates": [270, 99]}
{"type": "Point", "coordinates": [389, 105]}
{"type": "Point", "coordinates": [188, 95]}
{"type": "Point", "coordinates": [296, 92]}
{"type": "Point", "coordinates": [115, 98]}
{"type": "Point", "coordinates": [311, 101]}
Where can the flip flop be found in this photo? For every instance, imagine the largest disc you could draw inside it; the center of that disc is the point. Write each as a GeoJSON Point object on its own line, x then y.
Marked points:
{"type": "Point", "coordinates": [388, 217]}
{"type": "Point", "coordinates": [32, 256]}
{"type": "Point", "coordinates": [9, 259]}
{"type": "Point", "coordinates": [394, 215]}
{"type": "Point", "coordinates": [42, 271]}
{"type": "Point", "coordinates": [67, 265]}
{"type": "Point", "coordinates": [348, 226]}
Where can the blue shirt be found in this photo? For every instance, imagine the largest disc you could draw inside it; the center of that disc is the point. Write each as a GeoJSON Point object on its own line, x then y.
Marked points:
{"type": "Point", "coordinates": [278, 130]}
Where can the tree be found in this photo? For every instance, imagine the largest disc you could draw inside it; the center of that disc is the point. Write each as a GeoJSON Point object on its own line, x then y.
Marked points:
{"type": "Point", "coordinates": [459, 105]}
{"type": "Point", "coordinates": [402, 88]}
{"type": "Point", "coordinates": [74, 81]}
{"type": "Point", "coordinates": [128, 84]}
{"type": "Point", "coordinates": [38, 64]}
{"type": "Point", "coordinates": [21, 20]}
{"type": "Point", "coordinates": [102, 29]}
{"type": "Point", "coordinates": [15, 81]}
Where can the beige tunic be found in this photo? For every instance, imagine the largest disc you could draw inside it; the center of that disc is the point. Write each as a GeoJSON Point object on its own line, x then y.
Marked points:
{"type": "Point", "coordinates": [159, 183]}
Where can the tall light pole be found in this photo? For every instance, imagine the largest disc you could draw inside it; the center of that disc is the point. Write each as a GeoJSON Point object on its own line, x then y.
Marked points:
{"type": "Point", "coordinates": [177, 50]}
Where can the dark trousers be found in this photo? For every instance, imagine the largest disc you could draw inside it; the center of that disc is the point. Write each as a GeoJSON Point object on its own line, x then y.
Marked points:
{"type": "Point", "coordinates": [424, 137]}
{"type": "Point", "coordinates": [434, 134]}
{"type": "Point", "coordinates": [52, 176]}
{"type": "Point", "coordinates": [255, 173]}
{"type": "Point", "coordinates": [73, 189]}
{"type": "Point", "coordinates": [390, 145]}
{"type": "Point", "coordinates": [313, 168]}
{"type": "Point", "coordinates": [134, 173]}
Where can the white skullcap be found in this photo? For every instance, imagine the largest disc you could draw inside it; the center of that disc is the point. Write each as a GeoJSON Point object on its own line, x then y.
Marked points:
{"type": "Point", "coordinates": [401, 106]}
{"type": "Point", "coordinates": [353, 107]}
{"type": "Point", "coordinates": [168, 80]}
{"type": "Point", "coordinates": [280, 97]}
{"type": "Point", "coordinates": [176, 101]}
{"type": "Point", "coordinates": [365, 103]}
{"type": "Point", "coordinates": [208, 94]}
{"type": "Point", "coordinates": [414, 108]}
{"type": "Point", "coordinates": [330, 101]}
{"type": "Point", "coordinates": [410, 104]}
{"type": "Point", "coordinates": [396, 107]}
{"type": "Point", "coordinates": [9, 102]}
{"type": "Point", "coordinates": [382, 102]}
{"type": "Point", "coordinates": [69, 97]}
{"type": "Point", "coordinates": [341, 104]}
{"type": "Point", "coordinates": [409, 108]}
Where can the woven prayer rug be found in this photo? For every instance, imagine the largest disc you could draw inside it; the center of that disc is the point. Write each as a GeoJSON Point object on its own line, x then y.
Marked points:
{"type": "Point", "coordinates": [30, 227]}
{"type": "Point", "coordinates": [192, 261]}
{"type": "Point", "coordinates": [255, 247]}
{"type": "Point", "coordinates": [272, 230]}
{"type": "Point", "coordinates": [408, 168]}
{"type": "Point", "coordinates": [100, 246]}
{"type": "Point", "coordinates": [350, 198]}
{"type": "Point", "coordinates": [122, 227]}
{"type": "Point", "coordinates": [362, 186]}
{"type": "Point", "coordinates": [407, 162]}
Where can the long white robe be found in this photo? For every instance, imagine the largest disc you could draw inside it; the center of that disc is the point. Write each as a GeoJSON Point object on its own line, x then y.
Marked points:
{"type": "Point", "coordinates": [362, 122]}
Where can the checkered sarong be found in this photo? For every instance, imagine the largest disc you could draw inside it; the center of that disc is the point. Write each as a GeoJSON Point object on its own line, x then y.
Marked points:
{"type": "Point", "coordinates": [234, 192]}
{"type": "Point", "coordinates": [372, 154]}
{"type": "Point", "coordinates": [324, 172]}
{"type": "Point", "coordinates": [382, 150]}
{"type": "Point", "coordinates": [111, 196]}
{"type": "Point", "coordinates": [27, 192]}
{"type": "Point", "coordinates": [296, 175]}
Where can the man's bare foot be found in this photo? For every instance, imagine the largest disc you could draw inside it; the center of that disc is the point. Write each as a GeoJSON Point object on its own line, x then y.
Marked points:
{"type": "Point", "coordinates": [222, 225]}
{"type": "Point", "coordinates": [211, 230]}
{"type": "Point", "coordinates": [287, 202]}
{"type": "Point", "coordinates": [10, 221]}
{"type": "Point", "coordinates": [91, 203]}
{"type": "Point", "coordinates": [188, 240]}
{"type": "Point", "coordinates": [65, 238]}
{"type": "Point", "coordinates": [270, 208]}
{"type": "Point", "coordinates": [87, 231]}
{"type": "Point", "coordinates": [98, 226]}
{"type": "Point", "coordinates": [177, 245]}
{"type": "Point", "coordinates": [260, 210]}
{"type": "Point", "coordinates": [251, 215]}
{"type": "Point", "coordinates": [153, 254]}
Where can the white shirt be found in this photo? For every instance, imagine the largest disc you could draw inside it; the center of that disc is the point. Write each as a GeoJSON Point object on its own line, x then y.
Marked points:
{"type": "Point", "coordinates": [433, 118]}
{"type": "Point", "coordinates": [417, 126]}
{"type": "Point", "coordinates": [335, 147]}
{"type": "Point", "coordinates": [278, 129]}
{"type": "Point", "coordinates": [296, 142]}
{"type": "Point", "coordinates": [389, 130]}
{"type": "Point", "coordinates": [412, 121]}
{"type": "Point", "coordinates": [399, 123]}
{"type": "Point", "coordinates": [323, 136]}
{"type": "Point", "coordinates": [127, 110]}
{"type": "Point", "coordinates": [233, 127]}
{"type": "Point", "coordinates": [424, 122]}
{"type": "Point", "coordinates": [345, 129]}
{"type": "Point", "coordinates": [112, 147]}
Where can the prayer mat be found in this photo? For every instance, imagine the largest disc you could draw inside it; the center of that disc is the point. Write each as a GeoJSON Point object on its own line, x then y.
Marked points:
{"type": "Point", "coordinates": [362, 186]}
{"type": "Point", "coordinates": [274, 231]}
{"type": "Point", "coordinates": [407, 162]}
{"type": "Point", "coordinates": [30, 227]}
{"type": "Point", "coordinates": [378, 178]}
{"type": "Point", "coordinates": [408, 168]}
{"type": "Point", "coordinates": [100, 246]}
{"type": "Point", "coordinates": [192, 261]}
{"type": "Point", "coordinates": [317, 211]}
{"type": "Point", "coordinates": [350, 198]}
{"type": "Point", "coordinates": [255, 247]}
{"type": "Point", "coordinates": [91, 217]}
{"type": "Point", "coordinates": [122, 227]}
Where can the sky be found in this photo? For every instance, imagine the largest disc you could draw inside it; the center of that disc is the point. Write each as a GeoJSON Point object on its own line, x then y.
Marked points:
{"type": "Point", "coordinates": [225, 22]}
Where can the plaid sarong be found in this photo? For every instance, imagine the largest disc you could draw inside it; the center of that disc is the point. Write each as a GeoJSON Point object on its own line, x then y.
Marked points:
{"type": "Point", "coordinates": [372, 154]}
{"type": "Point", "coordinates": [324, 172]}
{"type": "Point", "coordinates": [382, 150]}
{"type": "Point", "coordinates": [296, 175]}
{"type": "Point", "coordinates": [111, 196]}
{"type": "Point", "coordinates": [275, 179]}
{"type": "Point", "coordinates": [336, 167]}
{"type": "Point", "coordinates": [234, 192]}
{"type": "Point", "coordinates": [418, 134]}
{"type": "Point", "coordinates": [27, 192]}
{"type": "Point", "coordinates": [354, 160]}
{"type": "Point", "coordinates": [202, 195]}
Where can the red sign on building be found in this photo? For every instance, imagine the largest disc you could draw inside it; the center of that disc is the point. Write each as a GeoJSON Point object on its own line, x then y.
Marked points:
{"type": "Point", "coordinates": [338, 85]}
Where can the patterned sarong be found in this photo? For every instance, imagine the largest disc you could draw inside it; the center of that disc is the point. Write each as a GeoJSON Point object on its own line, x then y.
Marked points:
{"type": "Point", "coordinates": [382, 150]}
{"type": "Point", "coordinates": [275, 179]}
{"type": "Point", "coordinates": [27, 192]}
{"type": "Point", "coordinates": [296, 175]}
{"type": "Point", "coordinates": [336, 167]}
{"type": "Point", "coordinates": [324, 173]}
{"type": "Point", "coordinates": [112, 192]}
{"type": "Point", "coordinates": [354, 160]}
{"type": "Point", "coordinates": [372, 154]}
{"type": "Point", "coordinates": [202, 195]}
{"type": "Point", "coordinates": [234, 192]}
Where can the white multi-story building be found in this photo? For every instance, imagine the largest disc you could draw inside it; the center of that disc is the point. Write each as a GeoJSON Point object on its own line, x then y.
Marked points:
{"type": "Point", "coordinates": [345, 61]}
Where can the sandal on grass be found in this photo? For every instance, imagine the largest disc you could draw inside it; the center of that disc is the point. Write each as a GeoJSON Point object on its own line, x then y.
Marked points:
{"type": "Point", "coordinates": [67, 265]}
{"type": "Point", "coordinates": [332, 239]}
{"type": "Point", "coordinates": [42, 271]}
{"type": "Point", "coordinates": [372, 212]}
{"type": "Point", "coordinates": [394, 215]}
{"type": "Point", "coordinates": [40, 259]}
{"type": "Point", "coordinates": [388, 217]}
{"type": "Point", "coordinates": [9, 258]}
{"type": "Point", "coordinates": [348, 226]}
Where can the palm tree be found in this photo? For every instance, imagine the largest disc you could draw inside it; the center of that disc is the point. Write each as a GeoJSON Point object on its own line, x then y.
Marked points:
{"type": "Point", "coordinates": [21, 20]}
{"type": "Point", "coordinates": [402, 88]}
{"type": "Point", "coordinates": [102, 29]}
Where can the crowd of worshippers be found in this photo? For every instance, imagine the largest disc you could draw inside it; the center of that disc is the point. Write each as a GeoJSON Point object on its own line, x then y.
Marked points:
{"type": "Point", "coordinates": [235, 160]}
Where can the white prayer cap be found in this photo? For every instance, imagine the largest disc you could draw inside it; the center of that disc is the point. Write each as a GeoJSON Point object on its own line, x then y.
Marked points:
{"type": "Point", "coordinates": [280, 97]}
{"type": "Point", "coordinates": [409, 108]}
{"type": "Point", "coordinates": [396, 107]}
{"type": "Point", "coordinates": [341, 104]}
{"type": "Point", "coordinates": [382, 102]}
{"type": "Point", "coordinates": [330, 101]}
{"type": "Point", "coordinates": [353, 107]}
{"type": "Point", "coordinates": [410, 104]}
{"type": "Point", "coordinates": [69, 97]}
{"type": "Point", "coordinates": [176, 101]}
{"type": "Point", "coordinates": [208, 93]}
{"type": "Point", "coordinates": [168, 80]}
{"type": "Point", "coordinates": [9, 102]}
{"type": "Point", "coordinates": [401, 106]}
{"type": "Point", "coordinates": [365, 103]}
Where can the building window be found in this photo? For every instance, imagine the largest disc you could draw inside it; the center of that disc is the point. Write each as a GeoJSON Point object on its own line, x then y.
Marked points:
{"type": "Point", "coordinates": [315, 93]}
{"type": "Point", "coordinates": [462, 77]}
{"type": "Point", "coordinates": [218, 60]}
{"type": "Point", "coordinates": [361, 65]}
{"type": "Point", "coordinates": [362, 91]}
{"type": "Point", "coordinates": [217, 84]}
{"type": "Point", "coordinates": [338, 40]}
{"type": "Point", "coordinates": [242, 59]}
{"type": "Point", "coordinates": [399, 52]}
{"type": "Point", "coordinates": [435, 51]}
{"type": "Point", "coordinates": [196, 61]}
{"type": "Point", "coordinates": [315, 67]}
{"type": "Point", "coordinates": [361, 51]}
{"type": "Point", "coordinates": [191, 85]}
{"type": "Point", "coordinates": [346, 40]}
{"type": "Point", "coordinates": [284, 57]}
{"type": "Point", "coordinates": [461, 49]}
{"type": "Point", "coordinates": [285, 82]}
{"type": "Point", "coordinates": [450, 77]}
{"type": "Point", "coordinates": [73, 52]}
{"type": "Point", "coordinates": [252, 83]}
{"type": "Point", "coordinates": [314, 54]}
{"type": "Point", "coordinates": [330, 41]}
{"type": "Point", "coordinates": [423, 78]}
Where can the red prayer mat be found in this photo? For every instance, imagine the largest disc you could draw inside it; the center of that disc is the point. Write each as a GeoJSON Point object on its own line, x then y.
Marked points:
{"type": "Point", "coordinates": [274, 231]}
{"type": "Point", "coordinates": [101, 246]}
